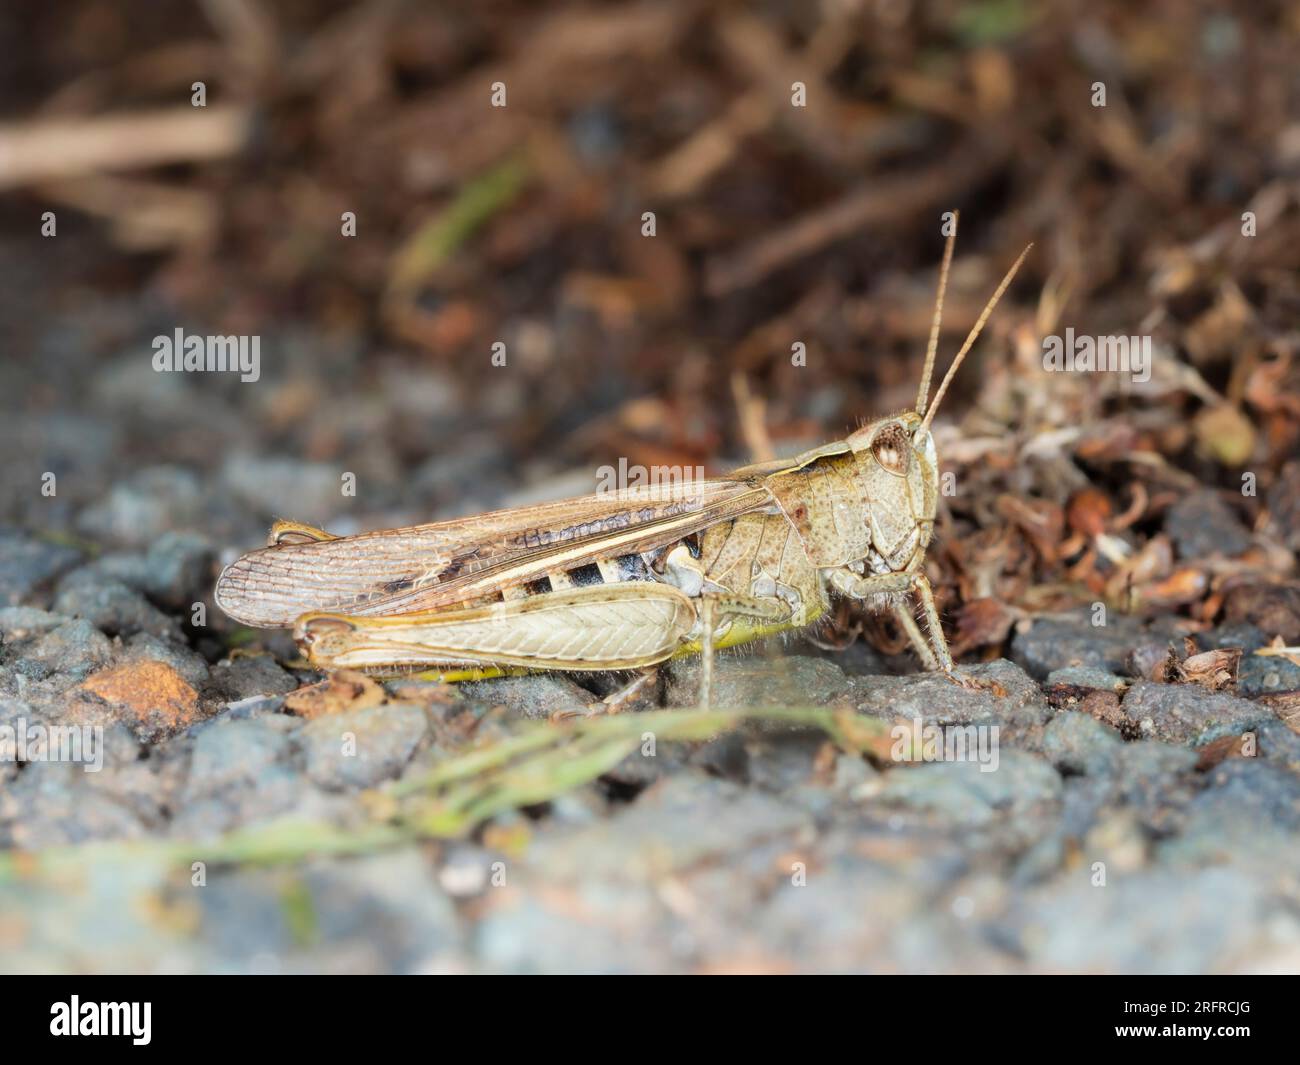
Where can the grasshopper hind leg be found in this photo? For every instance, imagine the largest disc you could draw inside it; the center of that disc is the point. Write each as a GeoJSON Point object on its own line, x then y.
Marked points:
{"type": "Point", "coordinates": [601, 627]}
{"type": "Point", "coordinates": [295, 532]}
{"type": "Point", "coordinates": [642, 686]}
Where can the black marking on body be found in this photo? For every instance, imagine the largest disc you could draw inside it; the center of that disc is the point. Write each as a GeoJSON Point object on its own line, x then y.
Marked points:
{"type": "Point", "coordinates": [623, 519]}
{"type": "Point", "coordinates": [630, 568]}
{"type": "Point", "coordinates": [633, 568]}
{"type": "Point", "coordinates": [585, 576]}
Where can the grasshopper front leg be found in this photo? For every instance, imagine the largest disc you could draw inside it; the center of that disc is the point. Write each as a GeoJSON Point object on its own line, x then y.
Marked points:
{"type": "Point", "coordinates": [917, 638]}
{"type": "Point", "coordinates": [856, 587]}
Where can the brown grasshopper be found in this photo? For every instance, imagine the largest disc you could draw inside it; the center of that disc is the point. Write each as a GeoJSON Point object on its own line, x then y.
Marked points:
{"type": "Point", "coordinates": [626, 579]}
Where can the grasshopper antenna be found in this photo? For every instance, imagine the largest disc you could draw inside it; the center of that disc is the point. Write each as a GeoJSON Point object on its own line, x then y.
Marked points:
{"type": "Point", "coordinates": [970, 339]}
{"type": "Point", "coordinates": [923, 393]}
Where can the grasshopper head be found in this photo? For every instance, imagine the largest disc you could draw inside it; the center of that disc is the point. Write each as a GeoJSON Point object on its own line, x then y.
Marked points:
{"type": "Point", "coordinates": [869, 501]}
{"type": "Point", "coordinates": [898, 465]}
{"type": "Point", "coordinates": [898, 472]}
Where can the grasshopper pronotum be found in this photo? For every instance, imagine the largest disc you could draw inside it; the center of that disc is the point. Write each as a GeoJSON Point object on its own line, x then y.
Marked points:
{"type": "Point", "coordinates": [626, 579]}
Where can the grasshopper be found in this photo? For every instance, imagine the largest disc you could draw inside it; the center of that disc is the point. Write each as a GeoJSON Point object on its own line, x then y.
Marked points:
{"type": "Point", "coordinates": [625, 580]}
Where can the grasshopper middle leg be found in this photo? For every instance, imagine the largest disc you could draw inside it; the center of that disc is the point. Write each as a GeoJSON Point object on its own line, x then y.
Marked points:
{"type": "Point", "coordinates": [715, 609]}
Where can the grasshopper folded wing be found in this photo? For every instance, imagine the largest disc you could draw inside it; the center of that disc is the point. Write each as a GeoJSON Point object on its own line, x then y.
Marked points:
{"type": "Point", "coordinates": [423, 567]}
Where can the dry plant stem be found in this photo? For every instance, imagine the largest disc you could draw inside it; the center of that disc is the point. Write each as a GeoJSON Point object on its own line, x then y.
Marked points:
{"type": "Point", "coordinates": [753, 423]}
{"type": "Point", "coordinates": [67, 148]}
{"type": "Point", "coordinates": [885, 202]}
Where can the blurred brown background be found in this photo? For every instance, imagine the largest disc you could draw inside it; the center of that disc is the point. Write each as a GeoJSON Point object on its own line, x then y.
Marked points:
{"type": "Point", "coordinates": [523, 224]}
{"type": "Point", "coordinates": [774, 224]}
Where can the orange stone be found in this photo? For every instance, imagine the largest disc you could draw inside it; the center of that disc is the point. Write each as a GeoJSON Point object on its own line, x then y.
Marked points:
{"type": "Point", "coordinates": [147, 688]}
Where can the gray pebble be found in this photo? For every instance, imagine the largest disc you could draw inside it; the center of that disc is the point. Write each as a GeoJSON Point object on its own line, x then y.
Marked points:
{"type": "Point", "coordinates": [1258, 674]}
{"type": "Point", "coordinates": [251, 675]}
{"type": "Point", "coordinates": [1152, 921]}
{"type": "Point", "coordinates": [1233, 634]}
{"type": "Point", "coordinates": [963, 793]}
{"type": "Point", "coordinates": [361, 748]}
{"type": "Point", "coordinates": [175, 571]}
{"type": "Point", "coordinates": [74, 650]}
{"type": "Point", "coordinates": [1201, 524]}
{"type": "Point", "coordinates": [278, 485]}
{"type": "Point", "coordinates": [19, 623]}
{"type": "Point", "coordinates": [1157, 781]}
{"type": "Point", "coordinates": [686, 819]}
{"type": "Point", "coordinates": [111, 606]}
{"type": "Point", "coordinates": [1277, 743]}
{"type": "Point", "coordinates": [1088, 677]}
{"type": "Point", "coordinates": [742, 680]}
{"type": "Point", "coordinates": [1079, 743]}
{"type": "Point", "coordinates": [233, 754]}
{"type": "Point", "coordinates": [1188, 713]}
{"type": "Point", "coordinates": [151, 503]}
{"type": "Point", "coordinates": [27, 563]}
{"type": "Point", "coordinates": [537, 695]}
{"type": "Point", "coordinates": [1052, 643]}
{"type": "Point", "coordinates": [935, 699]}
{"type": "Point", "coordinates": [1248, 813]}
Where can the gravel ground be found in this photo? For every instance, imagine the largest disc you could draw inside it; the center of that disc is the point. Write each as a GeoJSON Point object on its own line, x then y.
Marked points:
{"type": "Point", "coordinates": [1126, 825]}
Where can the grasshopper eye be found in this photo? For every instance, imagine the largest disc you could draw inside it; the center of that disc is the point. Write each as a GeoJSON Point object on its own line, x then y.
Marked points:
{"type": "Point", "coordinates": [891, 448]}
